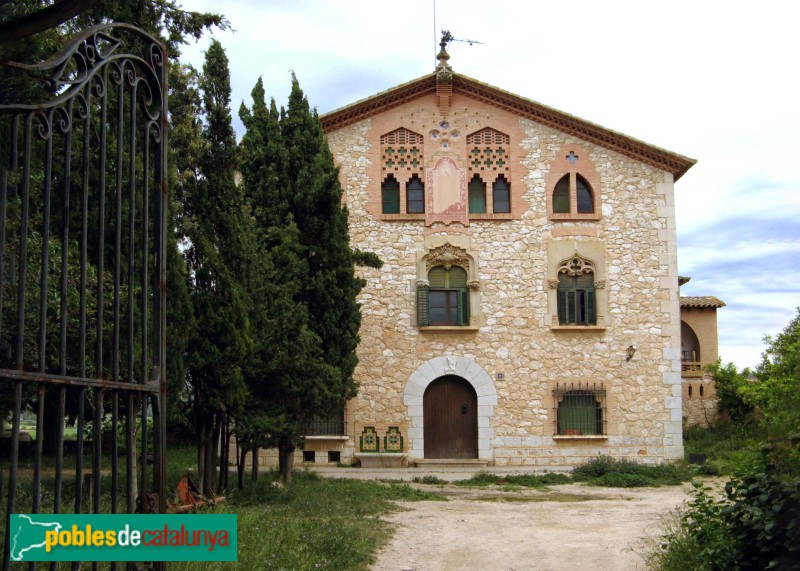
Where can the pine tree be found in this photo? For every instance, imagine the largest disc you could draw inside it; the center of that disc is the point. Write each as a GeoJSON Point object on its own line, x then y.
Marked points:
{"type": "Point", "coordinates": [219, 234]}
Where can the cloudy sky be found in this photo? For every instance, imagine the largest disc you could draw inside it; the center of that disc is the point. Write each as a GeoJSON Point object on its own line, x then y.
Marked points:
{"type": "Point", "coordinates": [714, 81]}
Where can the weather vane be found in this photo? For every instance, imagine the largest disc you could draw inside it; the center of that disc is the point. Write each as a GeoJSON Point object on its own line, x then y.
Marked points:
{"type": "Point", "coordinates": [447, 37]}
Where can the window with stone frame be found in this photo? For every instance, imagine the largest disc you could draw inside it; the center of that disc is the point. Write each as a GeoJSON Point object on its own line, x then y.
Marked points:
{"type": "Point", "coordinates": [579, 409]}
{"type": "Point", "coordinates": [390, 195]}
{"type": "Point", "coordinates": [577, 302]}
{"type": "Point", "coordinates": [446, 299]}
{"type": "Point", "coordinates": [573, 186]}
{"type": "Point", "coordinates": [447, 288]}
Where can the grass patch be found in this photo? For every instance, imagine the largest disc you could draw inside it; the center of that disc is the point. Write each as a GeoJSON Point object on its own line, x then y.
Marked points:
{"type": "Point", "coordinates": [610, 472]}
{"type": "Point", "coordinates": [551, 497]}
{"type": "Point", "coordinates": [315, 523]}
{"type": "Point", "coordinates": [730, 448]}
{"type": "Point", "coordinates": [430, 480]}
{"type": "Point", "coordinates": [484, 479]}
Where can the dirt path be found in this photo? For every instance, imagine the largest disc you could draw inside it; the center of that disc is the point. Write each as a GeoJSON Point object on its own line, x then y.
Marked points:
{"type": "Point", "coordinates": [571, 527]}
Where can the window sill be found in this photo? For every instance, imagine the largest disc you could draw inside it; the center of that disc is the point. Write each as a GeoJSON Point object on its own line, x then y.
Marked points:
{"type": "Point", "coordinates": [580, 437]}
{"type": "Point", "coordinates": [578, 327]}
{"type": "Point", "coordinates": [448, 328]}
{"type": "Point", "coordinates": [327, 437]}
{"type": "Point", "coordinates": [492, 216]}
{"type": "Point", "coordinates": [402, 217]}
{"type": "Point", "coordinates": [574, 217]}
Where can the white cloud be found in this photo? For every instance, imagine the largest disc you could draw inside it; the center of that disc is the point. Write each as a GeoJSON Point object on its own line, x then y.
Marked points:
{"type": "Point", "coordinates": [708, 80]}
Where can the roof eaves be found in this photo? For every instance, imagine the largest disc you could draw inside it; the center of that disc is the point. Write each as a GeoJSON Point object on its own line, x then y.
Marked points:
{"type": "Point", "coordinates": [592, 132]}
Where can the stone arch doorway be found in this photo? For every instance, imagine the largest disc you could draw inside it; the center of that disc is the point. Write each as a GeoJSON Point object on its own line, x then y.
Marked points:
{"type": "Point", "coordinates": [450, 418]}
{"type": "Point", "coordinates": [427, 373]}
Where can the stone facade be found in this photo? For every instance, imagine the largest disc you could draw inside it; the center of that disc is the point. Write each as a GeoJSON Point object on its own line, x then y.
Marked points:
{"type": "Point", "coordinates": [512, 352]}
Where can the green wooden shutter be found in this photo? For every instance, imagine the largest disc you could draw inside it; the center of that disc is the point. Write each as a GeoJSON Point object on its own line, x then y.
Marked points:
{"type": "Point", "coordinates": [562, 306]}
{"type": "Point", "coordinates": [457, 278]}
{"type": "Point", "coordinates": [591, 307]}
{"type": "Point", "coordinates": [422, 306]}
{"type": "Point", "coordinates": [571, 306]}
{"type": "Point", "coordinates": [463, 306]}
{"type": "Point", "coordinates": [437, 277]}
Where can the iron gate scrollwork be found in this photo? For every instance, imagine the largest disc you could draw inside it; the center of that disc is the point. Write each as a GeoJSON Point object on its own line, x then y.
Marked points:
{"type": "Point", "coordinates": [83, 203]}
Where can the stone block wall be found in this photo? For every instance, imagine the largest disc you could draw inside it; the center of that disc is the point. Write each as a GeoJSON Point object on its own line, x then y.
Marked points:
{"type": "Point", "coordinates": [515, 342]}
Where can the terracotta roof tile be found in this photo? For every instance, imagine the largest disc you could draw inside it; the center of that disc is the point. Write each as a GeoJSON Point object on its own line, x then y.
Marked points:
{"type": "Point", "coordinates": [701, 301]}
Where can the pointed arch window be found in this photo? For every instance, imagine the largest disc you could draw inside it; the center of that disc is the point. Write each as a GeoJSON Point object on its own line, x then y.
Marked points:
{"type": "Point", "coordinates": [561, 196]}
{"type": "Point", "coordinates": [585, 196]}
{"type": "Point", "coordinates": [477, 195]}
{"type": "Point", "coordinates": [390, 195]}
{"type": "Point", "coordinates": [415, 195]}
{"type": "Point", "coordinates": [501, 195]}
{"type": "Point", "coordinates": [577, 303]}
{"type": "Point", "coordinates": [573, 186]}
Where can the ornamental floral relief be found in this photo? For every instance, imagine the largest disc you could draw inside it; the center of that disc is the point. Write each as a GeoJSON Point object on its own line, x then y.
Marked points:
{"type": "Point", "coordinates": [575, 266]}
{"type": "Point", "coordinates": [448, 256]}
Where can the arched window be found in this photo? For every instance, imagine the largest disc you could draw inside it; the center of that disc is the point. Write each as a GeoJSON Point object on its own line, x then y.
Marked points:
{"type": "Point", "coordinates": [573, 186]}
{"type": "Point", "coordinates": [390, 195]}
{"type": "Point", "coordinates": [561, 196]}
{"type": "Point", "coordinates": [579, 410]}
{"type": "Point", "coordinates": [585, 197]}
{"type": "Point", "coordinates": [415, 195]}
{"type": "Point", "coordinates": [477, 195]}
{"type": "Point", "coordinates": [690, 345]}
{"type": "Point", "coordinates": [577, 303]}
{"type": "Point", "coordinates": [501, 195]}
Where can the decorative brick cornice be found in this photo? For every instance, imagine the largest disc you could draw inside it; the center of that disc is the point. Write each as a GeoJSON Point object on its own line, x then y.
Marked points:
{"type": "Point", "coordinates": [591, 132]}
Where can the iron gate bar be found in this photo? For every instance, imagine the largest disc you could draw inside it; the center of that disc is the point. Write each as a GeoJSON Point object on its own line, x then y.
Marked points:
{"type": "Point", "coordinates": [81, 81]}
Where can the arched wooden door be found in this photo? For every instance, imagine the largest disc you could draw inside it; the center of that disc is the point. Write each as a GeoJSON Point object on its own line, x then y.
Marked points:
{"type": "Point", "coordinates": [450, 419]}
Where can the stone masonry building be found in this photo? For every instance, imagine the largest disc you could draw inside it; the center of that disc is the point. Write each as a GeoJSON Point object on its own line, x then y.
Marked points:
{"type": "Point", "coordinates": [527, 312]}
{"type": "Point", "coordinates": [699, 348]}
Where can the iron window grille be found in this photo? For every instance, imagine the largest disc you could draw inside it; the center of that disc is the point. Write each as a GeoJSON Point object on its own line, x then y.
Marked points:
{"type": "Point", "coordinates": [579, 409]}
{"type": "Point", "coordinates": [333, 425]}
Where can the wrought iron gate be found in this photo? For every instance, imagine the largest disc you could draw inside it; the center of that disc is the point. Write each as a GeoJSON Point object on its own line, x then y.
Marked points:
{"type": "Point", "coordinates": [83, 203]}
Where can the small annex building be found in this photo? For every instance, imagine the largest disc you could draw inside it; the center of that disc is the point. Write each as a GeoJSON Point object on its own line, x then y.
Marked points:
{"type": "Point", "coordinates": [699, 348]}
{"type": "Point", "coordinates": [527, 312]}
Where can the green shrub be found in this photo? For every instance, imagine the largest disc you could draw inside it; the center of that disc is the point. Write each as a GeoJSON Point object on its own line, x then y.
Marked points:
{"type": "Point", "coordinates": [430, 480]}
{"type": "Point", "coordinates": [621, 480]}
{"type": "Point", "coordinates": [481, 478]}
{"type": "Point", "coordinates": [539, 480]}
{"type": "Point", "coordinates": [753, 527]}
{"type": "Point", "coordinates": [608, 471]}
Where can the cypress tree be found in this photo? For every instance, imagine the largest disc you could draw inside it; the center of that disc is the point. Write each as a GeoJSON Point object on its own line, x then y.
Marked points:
{"type": "Point", "coordinates": [219, 234]}
{"type": "Point", "coordinates": [308, 316]}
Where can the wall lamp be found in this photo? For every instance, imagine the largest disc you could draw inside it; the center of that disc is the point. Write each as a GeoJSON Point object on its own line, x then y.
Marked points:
{"type": "Point", "coordinates": [630, 352]}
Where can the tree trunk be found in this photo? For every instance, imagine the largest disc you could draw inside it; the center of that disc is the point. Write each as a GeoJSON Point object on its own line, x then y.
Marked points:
{"type": "Point", "coordinates": [286, 461]}
{"type": "Point", "coordinates": [254, 467]}
{"type": "Point", "coordinates": [210, 479]}
{"type": "Point", "coordinates": [201, 454]}
{"type": "Point", "coordinates": [224, 450]}
{"type": "Point", "coordinates": [241, 459]}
